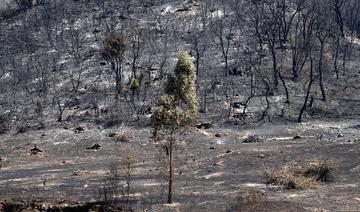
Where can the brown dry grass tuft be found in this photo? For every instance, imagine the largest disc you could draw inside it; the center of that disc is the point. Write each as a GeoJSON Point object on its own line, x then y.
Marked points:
{"type": "Point", "coordinates": [299, 176]}
{"type": "Point", "coordinates": [124, 133]}
{"type": "Point", "coordinates": [252, 201]}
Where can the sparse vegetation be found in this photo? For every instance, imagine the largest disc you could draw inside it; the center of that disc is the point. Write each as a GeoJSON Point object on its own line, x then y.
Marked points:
{"type": "Point", "coordinates": [299, 176]}
{"type": "Point", "coordinates": [36, 206]}
{"type": "Point", "coordinates": [5, 12]}
{"type": "Point", "coordinates": [22, 128]}
{"type": "Point", "coordinates": [117, 187]}
{"type": "Point", "coordinates": [114, 54]}
{"type": "Point", "coordinates": [24, 4]}
{"type": "Point", "coordinates": [85, 82]}
{"type": "Point", "coordinates": [177, 108]}
{"type": "Point", "coordinates": [252, 201]}
{"type": "Point", "coordinates": [124, 133]}
{"type": "Point", "coordinates": [4, 124]}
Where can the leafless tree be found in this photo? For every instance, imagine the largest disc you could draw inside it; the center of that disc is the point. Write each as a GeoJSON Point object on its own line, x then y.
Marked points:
{"type": "Point", "coordinates": [223, 33]}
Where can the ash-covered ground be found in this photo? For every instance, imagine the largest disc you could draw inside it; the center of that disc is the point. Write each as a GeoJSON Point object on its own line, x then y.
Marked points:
{"type": "Point", "coordinates": [210, 171]}
{"type": "Point", "coordinates": [277, 83]}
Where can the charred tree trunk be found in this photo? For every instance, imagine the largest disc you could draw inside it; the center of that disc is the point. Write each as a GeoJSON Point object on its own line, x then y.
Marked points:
{"type": "Point", "coordinates": [265, 113]}
{"type": "Point", "coordinates": [336, 56]}
{"type": "Point", "coordinates": [285, 87]}
{"type": "Point", "coordinates": [171, 171]}
{"type": "Point", "coordinates": [294, 64]}
{"type": "Point", "coordinates": [275, 71]}
{"type": "Point", "coordinates": [320, 70]}
{"type": "Point", "coordinates": [307, 92]}
{"type": "Point", "coordinates": [61, 109]}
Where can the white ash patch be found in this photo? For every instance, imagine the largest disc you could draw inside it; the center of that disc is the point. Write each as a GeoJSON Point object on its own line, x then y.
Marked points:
{"type": "Point", "coordinates": [216, 174]}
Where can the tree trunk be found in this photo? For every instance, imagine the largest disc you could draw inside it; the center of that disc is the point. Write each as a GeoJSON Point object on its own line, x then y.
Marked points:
{"type": "Point", "coordinates": [226, 66]}
{"type": "Point", "coordinates": [265, 112]}
{"type": "Point", "coordinates": [275, 72]}
{"type": "Point", "coordinates": [204, 103]}
{"type": "Point", "coordinates": [118, 88]}
{"type": "Point", "coordinates": [252, 85]}
{"type": "Point", "coordinates": [171, 171]}
{"type": "Point", "coordinates": [197, 64]}
{"type": "Point", "coordinates": [59, 117]}
{"type": "Point", "coordinates": [321, 72]}
{"type": "Point", "coordinates": [286, 89]}
{"type": "Point", "coordinates": [294, 65]}
{"type": "Point", "coordinates": [307, 92]}
{"type": "Point", "coordinates": [336, 56]}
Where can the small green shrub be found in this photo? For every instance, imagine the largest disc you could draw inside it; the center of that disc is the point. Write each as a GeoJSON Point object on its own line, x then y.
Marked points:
{"type": "Point", "coordinates": [114, 53]}
{"type": "Point", "coordinates": [114, 46]}
{"type": "Point", "coordinates": [178, 106]}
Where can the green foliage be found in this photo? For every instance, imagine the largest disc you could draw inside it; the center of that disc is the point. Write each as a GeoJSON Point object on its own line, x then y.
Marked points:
{"type": "Point", "coordinates": [113, 52]}
{"type": "Point", "coordinates": [185, 72]}
{"type": "Point", "coordinates": [114, 46]}
{"type": "Point", "coordinates": [168, 114]}
{"type": "Point", "coordinates": [135, 84]}
{"type": "Point", "coordinates": [178, 107]}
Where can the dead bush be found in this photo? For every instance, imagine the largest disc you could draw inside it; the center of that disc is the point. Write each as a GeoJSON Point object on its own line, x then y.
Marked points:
{"type": "Point", "coordinates": [319, 170]}
{"type": "Point", "coordinates": [252, 201]}
{"type": "Point", "coordinates": [320, 112]}
{"type": "Point", "coordinates": [253, 139]}
{"type": "Point", "coordinates": [116, 189]}
{"type": "Point", "coordinates": [11, 207]}
{"type": "Point", "coordinates": [24, 4]}
{"type": "Point", "coordinates": [109, 192]}
{"type": "Point", "coordinates": [4, 124]}
{"type": "Point", "coordinates": [6, 12]}
{"type": "Point", "coordinates": [124, 134]}
{"type": "Point", "coordinates": [22, 128]}
{"type": "Point", "coordinates": [299, 176]}
{"type": "Point", "coordinates": [39, 206]}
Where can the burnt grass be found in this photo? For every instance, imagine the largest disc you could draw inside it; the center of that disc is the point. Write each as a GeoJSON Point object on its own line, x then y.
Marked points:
{"type": "Point", "coordinates": [211, 172]}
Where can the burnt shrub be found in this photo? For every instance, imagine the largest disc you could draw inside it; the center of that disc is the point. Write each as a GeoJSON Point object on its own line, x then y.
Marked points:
{"type": "Point", "coordinates": [4, 124]}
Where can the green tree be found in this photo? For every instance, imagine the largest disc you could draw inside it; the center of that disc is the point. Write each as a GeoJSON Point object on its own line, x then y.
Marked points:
{"type": "Point", "coordinates": [114, 53]}
{"type": "Point", "coordinates": [176, 110]}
